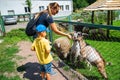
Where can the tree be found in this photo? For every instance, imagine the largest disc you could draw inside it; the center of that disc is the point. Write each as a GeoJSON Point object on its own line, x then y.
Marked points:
{"type": "Point", "coordinates": [29, 4]}
{"type": "Point", "coordinates": [77, 4]}
{"type": "Point", "coordinates": [91, 1]}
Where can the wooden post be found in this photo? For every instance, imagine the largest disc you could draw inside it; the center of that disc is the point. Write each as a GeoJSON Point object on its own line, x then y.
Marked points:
{"type": "Point", "coordinates": [108, 21]}
{"type": "Point", "coordinates": [92, 17]}
{"type": "Point", "coordinates": [50, 35]}
{"type": "Point", "coordinates": [111, 18]}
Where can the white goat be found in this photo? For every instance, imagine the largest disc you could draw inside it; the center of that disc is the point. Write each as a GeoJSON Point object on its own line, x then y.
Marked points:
{"type": "Point", "coordinates": [75, 49]}
{"type": "Point", "coordinates": [90, 53]}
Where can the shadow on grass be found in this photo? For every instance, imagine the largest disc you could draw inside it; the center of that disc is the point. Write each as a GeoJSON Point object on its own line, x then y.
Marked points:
{"type": "Point", "coordinates": [32, 71]}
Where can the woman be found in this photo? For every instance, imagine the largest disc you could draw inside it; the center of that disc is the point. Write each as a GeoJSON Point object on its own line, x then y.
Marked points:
{"type": "Point", "coordinates": [47, 19]}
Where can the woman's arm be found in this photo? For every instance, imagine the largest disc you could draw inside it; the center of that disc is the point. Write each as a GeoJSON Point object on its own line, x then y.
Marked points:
{"type": "Point", "coordinates": [55, 29]}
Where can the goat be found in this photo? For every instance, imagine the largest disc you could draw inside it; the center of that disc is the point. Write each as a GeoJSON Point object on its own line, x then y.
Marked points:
{"type": "Point", "coordinates": [75, 50]}
{"type": "Point", "coordinates": [62, 46]}
{"type": "Point", "coordinates": [94, 31]}
{"type": "Point", "coordinates": [92, 55]}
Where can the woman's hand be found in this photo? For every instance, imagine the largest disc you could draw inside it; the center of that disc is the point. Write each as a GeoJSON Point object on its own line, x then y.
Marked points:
{"type": "Point", "coordinates": [55, 29]}
{"type": "Point", "coordinates": [69, 36]}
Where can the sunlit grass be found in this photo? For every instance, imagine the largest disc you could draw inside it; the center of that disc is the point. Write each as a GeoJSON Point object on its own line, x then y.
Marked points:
{"type": "Point", "coordinates": [109, 48]}
{"type": "Point", "coordinates": [2, 77]}
{"type": "Point", "coordinates": [8, 49]}
{"type": "Point", "coordinates": [116, 23]}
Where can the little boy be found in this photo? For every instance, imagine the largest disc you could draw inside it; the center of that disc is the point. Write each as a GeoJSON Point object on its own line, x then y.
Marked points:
{"type": "Point", "coordinates": [43, 48]}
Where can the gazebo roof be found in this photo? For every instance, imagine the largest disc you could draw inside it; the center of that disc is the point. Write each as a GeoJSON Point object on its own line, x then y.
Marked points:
{"type": "Point", "coordinates": [104, 5]}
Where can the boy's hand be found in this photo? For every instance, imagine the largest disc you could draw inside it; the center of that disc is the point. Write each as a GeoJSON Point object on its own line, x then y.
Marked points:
{"type": "Point", "coordinates": [32, 49]}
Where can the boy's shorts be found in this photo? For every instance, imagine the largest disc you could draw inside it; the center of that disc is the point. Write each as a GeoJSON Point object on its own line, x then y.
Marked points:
{"type": "Point", "coordinates": [46, 68]}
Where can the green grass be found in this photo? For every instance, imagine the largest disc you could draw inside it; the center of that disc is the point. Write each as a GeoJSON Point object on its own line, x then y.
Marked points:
{"type": "Point", "coordinates": [116, 23]}
{"type": "Point", "coordinates": [2, 77]}
{"type": "Point", "coordinates": [8, 49]}
{"type": "Point", "coordinates": [15, 36]}
{"type": "Point", "coordinates": [5, 58]}
{"type": "Point", "coordinates": [110, 50]}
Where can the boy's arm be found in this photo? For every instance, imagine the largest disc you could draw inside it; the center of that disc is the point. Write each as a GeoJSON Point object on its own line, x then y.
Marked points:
{"type": "Point", "coordinates": [47, 47]}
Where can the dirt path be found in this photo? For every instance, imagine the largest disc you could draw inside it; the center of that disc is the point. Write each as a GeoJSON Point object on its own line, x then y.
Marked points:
{"type": "Point", "coordinates": [28, 66]}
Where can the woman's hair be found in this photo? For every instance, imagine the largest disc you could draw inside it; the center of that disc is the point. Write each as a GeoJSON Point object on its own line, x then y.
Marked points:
{"type": "Point", "coordinates": [53, 5]}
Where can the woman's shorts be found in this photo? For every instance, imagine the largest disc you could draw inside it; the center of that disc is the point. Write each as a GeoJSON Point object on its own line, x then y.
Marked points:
{"type": "Point", "coordinates": [46, 68]}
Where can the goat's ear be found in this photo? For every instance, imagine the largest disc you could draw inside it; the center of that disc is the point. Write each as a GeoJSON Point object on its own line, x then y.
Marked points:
{"type": "Point", "coordinates": [84, 34]}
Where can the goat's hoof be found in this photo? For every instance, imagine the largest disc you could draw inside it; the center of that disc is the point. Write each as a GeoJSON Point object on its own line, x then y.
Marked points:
{"type": "Point", "coordinates": [106, 78]}
{"type": "Point", "coordinates": [109, 63]}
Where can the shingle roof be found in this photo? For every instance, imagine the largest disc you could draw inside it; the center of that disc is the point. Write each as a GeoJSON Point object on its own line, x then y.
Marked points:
{"type": "Point", "coordinates": [104, 5]}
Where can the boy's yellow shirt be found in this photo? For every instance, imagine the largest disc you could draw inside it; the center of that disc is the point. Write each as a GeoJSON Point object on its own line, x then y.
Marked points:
{"type": "Point", "coordinates": [41, 46]}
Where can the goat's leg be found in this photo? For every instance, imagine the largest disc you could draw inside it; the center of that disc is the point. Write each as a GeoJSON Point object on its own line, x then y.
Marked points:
{"type": "Point", "coordinates": [75, 60]}
{"type": "Point", "coordinates": [101, 69]}
{"type": "Point", "coordinates": [89, 65]}
{"type": "Point", "coordinates": [71, 58]}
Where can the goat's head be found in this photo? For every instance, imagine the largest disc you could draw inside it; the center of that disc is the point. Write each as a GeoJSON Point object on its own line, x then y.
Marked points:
{"type": "Point", "coordinates": [78, 35]}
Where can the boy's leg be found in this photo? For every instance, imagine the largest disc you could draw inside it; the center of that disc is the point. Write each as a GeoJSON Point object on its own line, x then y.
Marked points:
{"type": "Point", "coordinates": [42, 75]}
{"type": "Point", "coordinates": [48, 68]}
{"type": "Point", "coordinates": [48, 76]}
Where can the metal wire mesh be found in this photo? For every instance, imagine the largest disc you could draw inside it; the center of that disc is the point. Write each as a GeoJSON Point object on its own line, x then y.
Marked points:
{"type": "Point", "coordinates": [107, 44]}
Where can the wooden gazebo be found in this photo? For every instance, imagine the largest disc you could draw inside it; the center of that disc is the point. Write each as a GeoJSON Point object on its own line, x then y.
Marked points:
{"type": "Point", "coordinates": [104, 5]}
{"type": "Point", "coordinates": [108, 5]}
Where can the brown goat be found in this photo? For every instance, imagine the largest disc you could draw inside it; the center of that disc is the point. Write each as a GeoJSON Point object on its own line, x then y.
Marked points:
{"type": "Point", "coordinates": [62, 46]}
{"type": "Point", "coordinates": [93, 56]}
